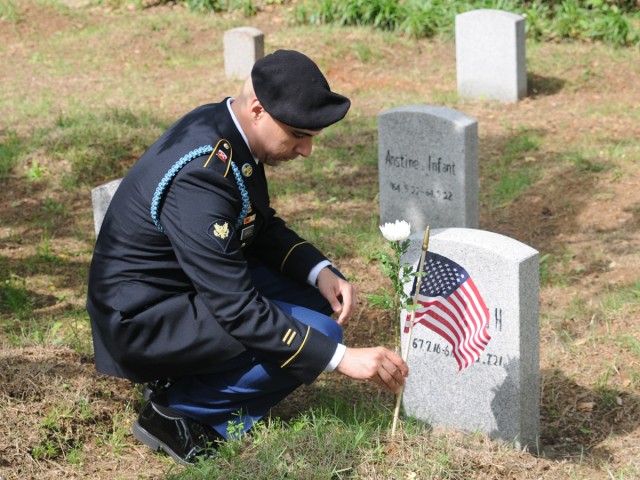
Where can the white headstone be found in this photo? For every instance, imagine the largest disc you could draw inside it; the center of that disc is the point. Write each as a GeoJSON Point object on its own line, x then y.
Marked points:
{"type": "Point", "coordinates": [100, 199]}
{"type": "Point", "coordinates": [428, 167]}
{"type": "Point", "coordinates": [490, 55]}
{"type": "Point", "coordinates": [243, 46]}
{"type": "Point", "coordinates": [499, 393]}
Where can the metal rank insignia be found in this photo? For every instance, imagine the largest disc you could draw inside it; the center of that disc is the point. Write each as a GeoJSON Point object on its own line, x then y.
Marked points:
{"type": "Point", "coordinates": [222, 233]}
{"type": "Point", "coordinates": [289, 336]}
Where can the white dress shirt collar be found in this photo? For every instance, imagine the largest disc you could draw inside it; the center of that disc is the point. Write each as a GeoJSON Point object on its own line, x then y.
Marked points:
{"type": "Point", "coordinates": [237, 124]}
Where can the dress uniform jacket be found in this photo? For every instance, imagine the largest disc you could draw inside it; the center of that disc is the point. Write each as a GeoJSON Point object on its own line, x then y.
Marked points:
{"type": "Point", "coordinates": [170, 293]}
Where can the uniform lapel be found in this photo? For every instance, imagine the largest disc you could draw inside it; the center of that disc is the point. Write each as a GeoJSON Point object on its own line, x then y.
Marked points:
{"type": "Point", "coordinates": [253, 174]}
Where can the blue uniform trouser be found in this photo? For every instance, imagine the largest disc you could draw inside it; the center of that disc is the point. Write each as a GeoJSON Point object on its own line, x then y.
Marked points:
{"type": "Point", "coordinates": [240, 391]}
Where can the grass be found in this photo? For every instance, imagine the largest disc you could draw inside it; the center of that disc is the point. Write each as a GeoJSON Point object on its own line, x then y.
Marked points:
{"type": "Point", "coordinates": [342, 441]}
{"type": "Point", "coordinates": [14, 297]}
{"type": "Point", "coordinates": [515, 170]}
{"type": "Point", "coordinates": [622, 299]}
{"type": "Point", "coordinates": [9, 11]}
{"type": "Point", "coordinates": [91, 91]}
{"type": "Point", "coordinates": [9, 149]}
{"type": "Point", "coordinates": [591, 19]}
{"type": "Point", "coordinates": [72, 141]}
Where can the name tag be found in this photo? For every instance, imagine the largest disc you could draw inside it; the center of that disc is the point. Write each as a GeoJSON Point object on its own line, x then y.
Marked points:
{"type": "Point", "coordinates": [246, 232]}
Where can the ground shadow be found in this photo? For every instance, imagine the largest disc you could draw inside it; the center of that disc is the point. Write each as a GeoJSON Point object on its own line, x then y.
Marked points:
{"type": "Point", "coordinates": [335, 393]}
{"type": "Point", "coordinates": [31, 374]}
{"type": "Point", "coordinates": [34, 211]}
{"type": "Point", "coordinates": [53, 397]}
{"type": "Point", "coordinates": [549, 210]}
{"type": "Point", "coordinates": [514, 405]}
{"type": "Point", "coordinates": [539, 85]}
{"type": "Point", "coordinates": [576, 420]}
{"type": "Point", "coordinates": [16, 294]}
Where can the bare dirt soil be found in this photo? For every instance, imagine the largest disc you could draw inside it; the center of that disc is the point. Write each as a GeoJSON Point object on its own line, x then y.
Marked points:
{"type": "Point", "coordinates": [587, 223]}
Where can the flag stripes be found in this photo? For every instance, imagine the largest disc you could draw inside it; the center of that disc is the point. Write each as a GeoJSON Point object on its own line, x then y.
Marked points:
{"type": "Point", "coordinates": [452, 307]}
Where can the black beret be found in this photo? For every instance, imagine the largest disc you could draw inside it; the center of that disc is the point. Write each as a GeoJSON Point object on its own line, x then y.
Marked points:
{"type": "Point", "coordinates": [293, 90]}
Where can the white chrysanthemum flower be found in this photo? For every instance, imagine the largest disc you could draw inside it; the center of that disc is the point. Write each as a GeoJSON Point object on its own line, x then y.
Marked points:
{"type": "Point", "coordinates": [396, 232]}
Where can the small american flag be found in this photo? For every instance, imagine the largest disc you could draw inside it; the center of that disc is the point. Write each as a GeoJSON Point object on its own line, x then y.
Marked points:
{"type": "Point", "coordinates": [451, 305]}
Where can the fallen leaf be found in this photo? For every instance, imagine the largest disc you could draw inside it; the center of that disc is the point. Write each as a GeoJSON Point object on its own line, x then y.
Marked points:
{"type": "Point", "coordinates": [585, 406]}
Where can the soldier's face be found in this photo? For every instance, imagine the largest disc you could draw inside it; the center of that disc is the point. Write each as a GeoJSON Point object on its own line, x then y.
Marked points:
{"type": "Point", "coordinates": [277, 142]}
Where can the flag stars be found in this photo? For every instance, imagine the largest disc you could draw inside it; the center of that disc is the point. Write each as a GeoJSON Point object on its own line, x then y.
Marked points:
{"type": "Point", "coordinates": [443, 276]}
{"type": "Point", "coordinates": [453, 308]}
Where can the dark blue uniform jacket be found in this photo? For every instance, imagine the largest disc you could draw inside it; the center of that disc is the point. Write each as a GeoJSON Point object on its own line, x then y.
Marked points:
{"type": "Point", "coordinates": [176, 302]}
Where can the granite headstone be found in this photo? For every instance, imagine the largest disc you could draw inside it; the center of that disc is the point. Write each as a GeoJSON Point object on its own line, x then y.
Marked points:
{"type": "Point", "coordinates": [428, 167]}
{"type": "Point", "coordinates": [499, 393]}
{"type": "Point", "coordinates": [100, 199]}
{"type": "Point", "coordinates": [243, 46]}
{"type": "Point", "coordinates": [490, 55]}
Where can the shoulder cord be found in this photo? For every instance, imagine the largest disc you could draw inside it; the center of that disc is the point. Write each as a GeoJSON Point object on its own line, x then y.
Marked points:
{"type": "Point", "coordinates": [173, 171]}
{"type": "Point", "coordinates": [243, 193]}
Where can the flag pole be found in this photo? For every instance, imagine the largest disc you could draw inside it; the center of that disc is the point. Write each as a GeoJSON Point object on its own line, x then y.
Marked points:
{"type": "Point", "coordinates": [405, 354]}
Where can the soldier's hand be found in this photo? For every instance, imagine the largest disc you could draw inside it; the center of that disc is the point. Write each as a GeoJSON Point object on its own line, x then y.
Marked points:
{"type": "Point", "coordinates": [340, 294]}
{"type": "Point", "coordinates": [377, 364]}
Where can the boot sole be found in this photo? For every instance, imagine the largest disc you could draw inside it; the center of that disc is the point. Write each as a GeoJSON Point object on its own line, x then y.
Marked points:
{"type": "Point", "coordinates": [154, 443]}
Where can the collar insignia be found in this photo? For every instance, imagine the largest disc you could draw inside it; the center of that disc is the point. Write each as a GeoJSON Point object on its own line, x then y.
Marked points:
{"type": "Point", "coordinates": [247, 170]}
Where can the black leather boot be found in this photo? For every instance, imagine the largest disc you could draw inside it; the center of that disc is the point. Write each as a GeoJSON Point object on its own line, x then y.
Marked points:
{"type": "Point", "coordinates": [182, 438]}
{"type": "Point", "coordinates": [155, 388]}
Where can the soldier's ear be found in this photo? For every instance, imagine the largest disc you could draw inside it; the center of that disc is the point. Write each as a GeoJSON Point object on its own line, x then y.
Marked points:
{"type": "Point", "coordinates": [257, 110]}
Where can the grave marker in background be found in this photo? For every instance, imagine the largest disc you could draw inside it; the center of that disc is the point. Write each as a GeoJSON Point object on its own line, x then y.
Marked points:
{"type": "Point", "coordinates": [499, 394]}
{"type": "Point", "coordinates": [100, 199]}
{"type": "Point", "coordinates": [428, 167]}
{"type": "Point", "coordinates": [243, 46]}
{"type": "Point", "coordinates": [490, 55]}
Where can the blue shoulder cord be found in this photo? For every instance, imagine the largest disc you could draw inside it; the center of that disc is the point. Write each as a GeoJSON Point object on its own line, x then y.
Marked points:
{"type": "Point", "coordinates": [173, 171]}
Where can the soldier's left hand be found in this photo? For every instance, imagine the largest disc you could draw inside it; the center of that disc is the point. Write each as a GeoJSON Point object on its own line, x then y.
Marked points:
{"type": "Point", "coordinates": [340, 294]}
